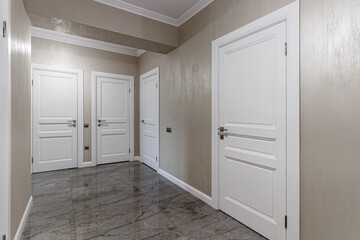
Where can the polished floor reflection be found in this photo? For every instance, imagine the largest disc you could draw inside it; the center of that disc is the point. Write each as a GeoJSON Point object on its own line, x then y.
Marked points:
{"type": "Point", "coordinates": [122, 201]}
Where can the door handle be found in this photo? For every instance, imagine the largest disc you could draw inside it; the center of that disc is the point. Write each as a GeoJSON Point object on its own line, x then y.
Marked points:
{"type": "Point", "coordinates": [222, 132]}
{"type": "Point", "coordinates": [72, 123]}
{"type": "Point", "coordinates": [143, 121]}
{"type": "Point", "coordinates": [222, 129]}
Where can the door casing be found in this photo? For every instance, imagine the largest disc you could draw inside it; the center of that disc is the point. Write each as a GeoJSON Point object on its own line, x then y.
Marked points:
{"type": "Point", "coordinates": [94, 76]}
{"type": "Point", "coordinates": [5, 120]}
{"type": "Point", "coordinates": [143, 76]}
{"type": "Point", "coordinates": [289, 14]}
{"type": "Point", "coordinates": [80, 122]}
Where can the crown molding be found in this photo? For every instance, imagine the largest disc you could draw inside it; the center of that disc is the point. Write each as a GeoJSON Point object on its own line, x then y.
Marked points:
{"type": "Point", "coordinates": [193, 11]}
{"type": "Point", "coordinates": [154, 15]}
{"type": "Point", "coordinates": [84, 42]}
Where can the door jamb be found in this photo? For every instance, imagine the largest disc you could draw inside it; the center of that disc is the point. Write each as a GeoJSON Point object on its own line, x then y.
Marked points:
{"type": "Point", "coordinates": [145, 75]}
{"type": "Point", "coordinates": [5, 120]}
{"type": "Point", "coordinates": [94, 76]}
{"type": "Point", "coordinates": [290, 14]}
{"type": "Point", "coordinates": [80, 122]}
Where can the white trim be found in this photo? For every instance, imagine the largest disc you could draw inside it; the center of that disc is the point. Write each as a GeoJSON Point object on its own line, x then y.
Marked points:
{"type": "Point", "coordinates": [290, 14]}
{"type": "Point", "coordinates": [24, 219]}
{"type": "Point", "coordinates": [193, 11]}
{"type": "Point", "coordinates": [5, 120]}
{"type": "Point", "coordinates": [202, 196]}
{"type": "Point", "coordinates": [142, 76]}
{"type": "Point", "coordinates": [80, 115]}
{"type": "Point", "coordinates": [155, 15]}
{"type": "Point", "coordinates": [137, 158]}
{"type": "Point", "coordinates": [94, 76]}
{"type": "Point", "coordinates": [84, 42]}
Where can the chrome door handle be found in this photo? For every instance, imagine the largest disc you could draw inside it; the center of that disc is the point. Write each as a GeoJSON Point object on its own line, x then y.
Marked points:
{"type": "Point", "coordinates": [222, 129]}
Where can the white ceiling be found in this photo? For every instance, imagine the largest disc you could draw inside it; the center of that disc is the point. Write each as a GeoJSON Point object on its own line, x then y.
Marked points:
{"type": "Point", "coordinates": [173, 12]}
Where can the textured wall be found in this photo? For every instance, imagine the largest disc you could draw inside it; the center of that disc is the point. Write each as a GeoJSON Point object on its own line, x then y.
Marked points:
{"type": "Point", "coordinates": [58, 54]}
{"type": "Point", "coordinates": [95, 14]}
{"type": "Point", "coordinates": [20, 113]}
{"type": "Point", "coordinates": [330, 119]}
{"type": "Point", "coordinates": [185, 87]}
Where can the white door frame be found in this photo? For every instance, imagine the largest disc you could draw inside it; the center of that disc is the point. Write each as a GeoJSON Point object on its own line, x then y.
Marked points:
{"type": "Point", "coordinates": [94, 76]}
{"type": "Point", "coordinates": [290, 14]}
{"type": "Point", "coordinates": [80, 117]}
{"type": "Point", "coordinates": [5, 119]}
{"type": "Point", "coordinates": [145, 75]}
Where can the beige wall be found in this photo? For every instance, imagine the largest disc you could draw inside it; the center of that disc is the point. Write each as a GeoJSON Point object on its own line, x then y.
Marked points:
{"type": "Point", "coordinates": [65, 55]}
{"type": "Point", "coordinates": [185, 87]}
{"type": "Point", "coordinates": [95, 14]}
{"type": "Point", "coordinates": [330, 119]}
{"type": "Point", "coordinates": [20, 113]}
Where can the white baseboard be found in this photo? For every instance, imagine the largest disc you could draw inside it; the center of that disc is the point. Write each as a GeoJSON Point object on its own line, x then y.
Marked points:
{"type": "Point", "coordinates": [202, 196]}
{"type": "Point", "coordinates": [137, 158]}
{"type": "Point", "coordinates": [23, 219]}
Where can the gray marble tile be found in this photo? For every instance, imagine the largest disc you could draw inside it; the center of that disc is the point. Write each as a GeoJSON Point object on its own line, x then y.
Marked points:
{"type": "Point", "coordinates": [122, 201]}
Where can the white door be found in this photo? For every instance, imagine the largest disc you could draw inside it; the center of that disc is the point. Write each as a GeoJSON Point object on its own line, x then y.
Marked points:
{"type": "Point", "coordinates": [57, 118]}
{"type": "Point", "coordinates": [5, 126]}
{"type": "Point", "coordinates": [149, 114]}
{"type": "Point", "coordinates": [112, 118]}
{"type": "Point", "coordinates": [252, 111]}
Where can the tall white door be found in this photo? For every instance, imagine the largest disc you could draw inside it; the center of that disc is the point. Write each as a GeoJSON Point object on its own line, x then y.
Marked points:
{"type": "Point", "coordinates": [113, 118]}
{"type": "Point", "coordinates": [149, 114]}
{"type": "Point", "coordinates": [5, 127]}
{"type": "Point", "coordinates": [252, 112]}
{"type": "Point", "coordinates": [57, 97]}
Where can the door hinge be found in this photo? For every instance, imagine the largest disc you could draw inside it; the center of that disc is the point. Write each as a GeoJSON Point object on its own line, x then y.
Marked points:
{"type": "Point", "coordinates": [156, 159]}
{"type": "Point", "coordinates": [286, 49]}
{"type": "Point", "coordinates": [129, 150]}
{"type": "Point", "coordinates": [286, 221]}
{"type": "Point", "coordinates": [4, 29]}
{"type": "Point", "coordinates": [156, 85]}
{"type": "Point", "coordinates": [3, 237]}
{"type": "Point", "coordinates": [129, 90]}
{"type": "Point", "coordinates": [32, 82]}
{"type": "Point", "coordinates": [32, 160]}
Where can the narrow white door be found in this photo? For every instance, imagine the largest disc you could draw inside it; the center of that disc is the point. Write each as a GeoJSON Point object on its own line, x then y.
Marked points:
{"type": "Point", "coordinates": [149, 114]}
{"type": "Point", "coordinates": [5, 127]}
{"type": "Point", "coordinates": [113, 118]}
{"type": "Point", "coordinates": [252, 111]}
{"type": "Point", "coordinates": [57, 109]}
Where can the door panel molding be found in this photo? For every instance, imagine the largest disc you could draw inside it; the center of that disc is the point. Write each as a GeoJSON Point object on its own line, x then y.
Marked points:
{"type": "Point", "coordinates": [290, 15]}
{"type": "Point", "coordinates": [148, 123]}
{"type": "Point", "coordinates": [80, 119]}
{"type": "Point", "coordinates": [94, 76]}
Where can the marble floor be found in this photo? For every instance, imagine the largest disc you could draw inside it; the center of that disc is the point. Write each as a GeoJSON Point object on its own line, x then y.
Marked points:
{"type": "Point", "coordinates": [122, 201]}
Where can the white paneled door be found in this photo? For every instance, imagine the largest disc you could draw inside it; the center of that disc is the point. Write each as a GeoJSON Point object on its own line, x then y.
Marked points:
{"type": "Point", "coordinates": [57, 118]}
{"type": "Point", "coordinates": [149, 114]}
{"type": "Point", "coordinates": [113, 118]}
{"type": "Point", "coordinates": [252, 116]}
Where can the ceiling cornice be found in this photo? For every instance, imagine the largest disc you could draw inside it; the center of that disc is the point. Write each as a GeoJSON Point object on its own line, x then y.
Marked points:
{"type": "Point", "coordinates": [84, 42]}
{"type": "Point", "coordinates": [154, 15]}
